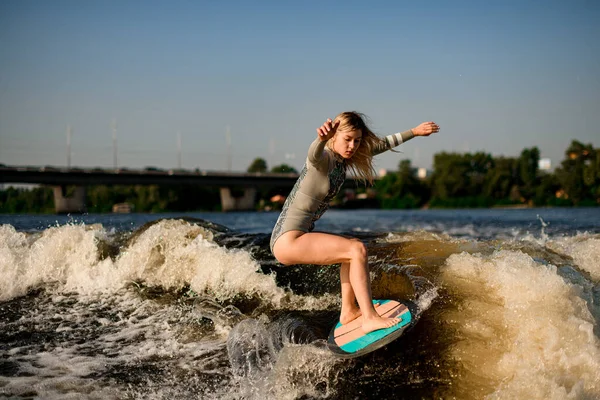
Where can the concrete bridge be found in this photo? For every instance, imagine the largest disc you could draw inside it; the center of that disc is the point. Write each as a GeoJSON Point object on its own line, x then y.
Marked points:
{"type": "Point", "coordinates": [60, 178]}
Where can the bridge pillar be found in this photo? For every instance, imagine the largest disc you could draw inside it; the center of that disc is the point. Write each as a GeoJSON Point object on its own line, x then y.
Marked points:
{"type": "Point", "coordinates": [232, 203]}
{"type": "Point", "coordinates": [72, 204]}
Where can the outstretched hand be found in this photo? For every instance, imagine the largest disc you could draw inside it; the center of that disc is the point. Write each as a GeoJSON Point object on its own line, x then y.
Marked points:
{"type": "Point", "coordinates": [426, 129]}
{"type": "Point", "coordinates": [327, 130]}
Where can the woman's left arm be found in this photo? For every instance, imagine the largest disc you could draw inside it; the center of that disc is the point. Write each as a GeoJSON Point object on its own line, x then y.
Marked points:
{"type": "Point", "coordinates": [391, 141]}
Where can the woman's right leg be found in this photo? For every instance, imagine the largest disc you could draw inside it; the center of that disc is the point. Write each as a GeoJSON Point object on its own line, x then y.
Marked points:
{"type": "Point", "coordinates": [296, 247]}
{"type": "Point", "coordinates": [350, 311]}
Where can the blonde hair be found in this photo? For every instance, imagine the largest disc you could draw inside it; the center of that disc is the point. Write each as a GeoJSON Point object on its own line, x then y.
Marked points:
{"type": "Point", "coordinates": [361, 163]}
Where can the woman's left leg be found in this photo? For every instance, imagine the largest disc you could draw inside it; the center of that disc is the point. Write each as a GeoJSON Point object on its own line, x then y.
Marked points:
{"type": "Point", "coordinates": [297, 247]}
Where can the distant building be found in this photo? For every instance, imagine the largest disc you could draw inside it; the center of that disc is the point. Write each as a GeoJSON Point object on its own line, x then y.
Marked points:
{"type": "Point", "coordinates": [122, 208]}
{"type": "Point", "coordinates": [544, 164]}
{"type": "Point", "coordinates": [279, 199]}
{"type": "Point", "coordinates": [423, 173]}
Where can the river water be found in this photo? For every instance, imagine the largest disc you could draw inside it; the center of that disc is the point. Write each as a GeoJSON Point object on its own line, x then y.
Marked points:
{"type": "Point", "coordinates": [193, 306]}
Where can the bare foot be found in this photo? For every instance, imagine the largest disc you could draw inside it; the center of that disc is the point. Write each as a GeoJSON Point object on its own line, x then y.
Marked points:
{"type": "Point", "coordinates": [347, 316]}
{"type": "Point", "coordinates": [373, 324]}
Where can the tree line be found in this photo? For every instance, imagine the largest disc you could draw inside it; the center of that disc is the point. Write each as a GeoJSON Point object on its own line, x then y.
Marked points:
{"type": "Point", "coordinates": [101, 198]}
{"type": "Point", "coordinates": [466, 180]}
{"type": "Point", "coordinates": [458, 180]}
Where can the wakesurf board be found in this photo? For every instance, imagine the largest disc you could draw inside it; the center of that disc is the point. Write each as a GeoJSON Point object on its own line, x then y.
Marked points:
{"type": "Point", "coordinates": [349, 341]}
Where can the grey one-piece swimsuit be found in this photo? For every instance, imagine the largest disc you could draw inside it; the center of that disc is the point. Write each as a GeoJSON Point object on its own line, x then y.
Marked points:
{"type": "Point", "coordinates": [320, 180]}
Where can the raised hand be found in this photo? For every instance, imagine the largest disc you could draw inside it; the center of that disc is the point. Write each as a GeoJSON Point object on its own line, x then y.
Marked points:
{"type": "Point", "coordinates": [426, 129]}
{"type": "Point", "coordinates": [327, 130]}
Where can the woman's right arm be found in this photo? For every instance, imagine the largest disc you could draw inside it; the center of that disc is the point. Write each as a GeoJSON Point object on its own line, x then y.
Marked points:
{"type": "Point", "coordinates": [316, 151]}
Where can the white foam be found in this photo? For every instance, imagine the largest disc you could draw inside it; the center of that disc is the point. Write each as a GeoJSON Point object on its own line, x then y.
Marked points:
{"type": "Point", "coordinates": [584, 249]}
{"type": "Point", "coordinates": [170, 254]}
{"type": "Point", "coordinates": [13, 247]}
{"type": "Point", "coordinates": [59, 254]}
{"type": "Point", "coordinates": [298, 371]}
{"type": "Point", "coordinates": [144, 332]}
{"type": "Point", "coordinates": [173, 253]}
{"type": "Point", "coordinates": [426, 299]}
{"type": "Point", "coordinates": [304, 371]}
{"type": "Point", "coordinates": [523, 331]}
{"type": "Point", "coordinates": [231, 272]}
{"type": "Point", "coordinates": [417, 235]}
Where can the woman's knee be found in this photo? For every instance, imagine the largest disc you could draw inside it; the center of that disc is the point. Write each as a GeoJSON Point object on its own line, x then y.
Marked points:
{"type": "Point", "coordinates": [358, 250]}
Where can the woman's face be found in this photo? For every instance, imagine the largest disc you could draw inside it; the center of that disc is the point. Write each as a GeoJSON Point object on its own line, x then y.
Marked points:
{"type": "Point", "coordinates": [346, 142]}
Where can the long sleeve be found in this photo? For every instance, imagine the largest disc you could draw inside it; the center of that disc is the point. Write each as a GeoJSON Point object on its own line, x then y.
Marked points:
{"type": "Point", "coordinates": [316, 152]}
{"type": "Point", "coordinates": [391, 141]}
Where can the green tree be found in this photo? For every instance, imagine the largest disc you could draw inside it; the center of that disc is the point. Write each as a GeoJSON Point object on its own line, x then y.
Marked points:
{"type": "Point", "coordinates": [458, 179]}
{"type": "Point", "coordinates": [591, 175]}
{"type": "Point", "coordinates": [449, 176]}
{"type": "Point", "coordinates": [153, 198]}
{"type": "Point", "coordinates": [258, 165]}
{"type": "Point", "coordinates": [528, 172]}
{"type": "Point", "coordinates": [36, 200]}
{"type": "Point", "coordinates": [546, 190]}
{"type": "Point", "coordinates": [572, 172]}
{"type": "Point", "coordinates": [479, 166]}
{"type": "Point", "coordinates": [402, 189]}
{"type": "Point", "coordinates": [500, 179]}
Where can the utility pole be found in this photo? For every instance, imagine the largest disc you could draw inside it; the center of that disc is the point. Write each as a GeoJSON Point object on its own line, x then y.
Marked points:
{"type": "Point", "coordinates": [228, 138]}
{"type": "Point", "coordinates": [178, 150]}
{"type": "Point", "coordinates": [113, 126]}
{"type": "Point", "coordinates": [69, 134]}
{"type": "Point", "coordinates": [271, 152]}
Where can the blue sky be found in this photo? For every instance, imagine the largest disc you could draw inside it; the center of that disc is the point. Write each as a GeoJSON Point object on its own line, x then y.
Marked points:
{"type": "Point", "coordinates": [498, 76]}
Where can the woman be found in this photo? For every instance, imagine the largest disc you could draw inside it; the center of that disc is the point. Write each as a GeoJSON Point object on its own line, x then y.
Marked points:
{"type": "Point", "coordinates": [342, 144]}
